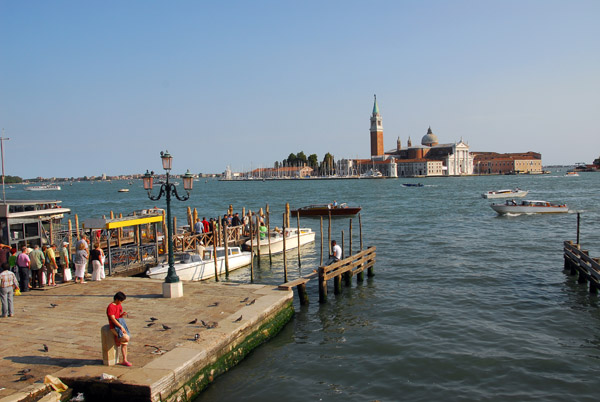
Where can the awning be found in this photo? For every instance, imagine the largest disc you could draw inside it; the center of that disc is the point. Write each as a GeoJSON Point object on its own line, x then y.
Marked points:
{"type": "Point", "coordinates": [120, 222]}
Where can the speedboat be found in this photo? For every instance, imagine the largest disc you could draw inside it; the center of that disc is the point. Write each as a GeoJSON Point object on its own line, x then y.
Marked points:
{"type": "Point", "coordinates": [505, 193]}
{"type": "Point", "coordinates": [325, 209]}
{"type": "Point", "coordinates": [412, 184]}
{"type": "Point", "coordinates": [276, 239]}
{"type": "Point", "coordinates": [198, 267]}
{"type": "Point", "coordinates": [529, 207]}
{"type": "Point", "coordinates": [123, 190]}
{"type": "Point", "coordinates": [572, 174]}
{"type": "Point", "coordinates": [45, 187]}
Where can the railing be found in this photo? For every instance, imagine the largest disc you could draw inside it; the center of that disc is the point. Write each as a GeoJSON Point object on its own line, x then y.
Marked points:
{"type": "Point", "coordinates": [124, 258]}
{"type": "Point", "coordinates": [188, 241]}
{"type": "Point", "coordinates": [579, 261]}
{"type": "Point", "coordinates": [348, 267]}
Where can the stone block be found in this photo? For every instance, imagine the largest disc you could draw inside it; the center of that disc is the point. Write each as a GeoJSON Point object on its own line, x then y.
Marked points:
{"type": "Point", "coordinates": [110, 351]}
{"type": "Point", "coordinates": [172, 290]}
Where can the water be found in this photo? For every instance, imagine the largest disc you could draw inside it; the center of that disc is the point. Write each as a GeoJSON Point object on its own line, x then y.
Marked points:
{"type": "Point", "coordinates": [465, 304]}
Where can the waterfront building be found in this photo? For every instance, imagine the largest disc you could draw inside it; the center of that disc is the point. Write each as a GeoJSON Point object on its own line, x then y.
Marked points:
{"type": "Point", "coordinates": [507, 163]}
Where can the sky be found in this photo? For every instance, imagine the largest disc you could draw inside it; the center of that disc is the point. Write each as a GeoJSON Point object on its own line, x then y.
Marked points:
{"type": "Point", "coordinates": [94, 87]}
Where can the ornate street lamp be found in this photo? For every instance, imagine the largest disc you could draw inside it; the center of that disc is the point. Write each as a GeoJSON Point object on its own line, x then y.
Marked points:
{"type": "Point", "coordinates": [169, 189]}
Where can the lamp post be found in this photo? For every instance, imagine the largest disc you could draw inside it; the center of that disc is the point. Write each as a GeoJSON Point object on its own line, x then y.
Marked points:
{"type": "Point", "coordinates": [172, 286]}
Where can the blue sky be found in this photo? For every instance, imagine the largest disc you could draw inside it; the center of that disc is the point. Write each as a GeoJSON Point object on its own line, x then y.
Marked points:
{"type": "Point", "coordinates": [102, 87]}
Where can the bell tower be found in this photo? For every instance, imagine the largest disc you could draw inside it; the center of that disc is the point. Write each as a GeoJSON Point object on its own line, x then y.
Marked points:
{"type": "Point", "coordinates": [376, 131]}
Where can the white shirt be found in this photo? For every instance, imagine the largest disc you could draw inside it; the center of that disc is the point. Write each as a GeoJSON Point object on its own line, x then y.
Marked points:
{"type": "Point", "coordinates": [337, 251]}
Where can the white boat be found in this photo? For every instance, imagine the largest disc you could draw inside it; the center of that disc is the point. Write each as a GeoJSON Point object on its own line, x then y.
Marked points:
{"type": "Point", "coordinates": [45, 187]}
{"type": "Point", "coordinates": [291, 240]}
{"type": "Point", "coordinates": [123, 190]}
{"type": "Point", "coordinates": [572, 174]}
{"type": "Point", "coordinates": [529, 207]}
{"type": "Point", "coordinates": [196, 267]}
{"type": "Point", "coordinates": [505, 193]}
{"type": "Point", "coordinates": [372, 174]}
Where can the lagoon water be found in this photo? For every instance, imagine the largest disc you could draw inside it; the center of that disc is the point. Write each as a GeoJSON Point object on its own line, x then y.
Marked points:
{"type": "Point", "coordinates": [465, 304]}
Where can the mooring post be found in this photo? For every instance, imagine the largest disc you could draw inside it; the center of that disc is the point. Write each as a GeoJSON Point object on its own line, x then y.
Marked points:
{"type": "Point", "coordinates": [302, 294]}
{"type": "Point", "coordinates": [226, 249]}
{"type": "Point", "coordinates": [347, 274]}
{"type": "Point", "coordinates": [77, 227]}
{"type": "Point", "coordinates": [350, 238]}
{"type": "Point", "coordinates": [329, 233]}
{"type": "Point", "coordinates": [284, 256]}
{"type": "Point", "coordinates": [269, 233]}
{"type": "Point", "coordinates": [298, 220]}
{"type": "Point", "coordinates": [251, 248]}
{"type": "Point", "coordinates": [370, 270]}
{"type": "Point", "coordinates": [321, 263]}
{"type": "Point", "coordinates": [215, 231]}
{"type": "Point", "coordinates": [337, 284]}
{"type": "Point", "coordinates": [360, 231]}
{"type": "Point", "coordinates": [578, 220]}
{"type": "Point", "coordinates": [322, 286]}
{"type": "Point", "coordinates": [258, 237]}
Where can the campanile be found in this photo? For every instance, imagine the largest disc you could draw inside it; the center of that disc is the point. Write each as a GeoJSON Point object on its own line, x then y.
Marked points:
{"type": "Point", "coordinates": [376, 131]}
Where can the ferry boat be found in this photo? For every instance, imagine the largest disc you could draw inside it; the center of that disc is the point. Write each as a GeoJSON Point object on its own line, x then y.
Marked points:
{"type": "Point", "coordinates": [44, 187]}
{"type": "Point", "coordinates": [198, 267]}
{"type": "Point", "coordinates": [324, 210]}
{"type": "Point", "coordinates": [529, 207]}
{"type": "Point", "coordinates": [276, 237]}
{"type": "Point", "coordinates": [505, 193]}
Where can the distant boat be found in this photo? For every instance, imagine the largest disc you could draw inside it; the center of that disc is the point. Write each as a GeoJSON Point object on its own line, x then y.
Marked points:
{"type": "Point", "coordinates": [123, 190]}
{"type": "Point", "coordinates": [505, 193]}
{"type": "Point", "coordinates": [571, 174]}
{"type": "Point", "coordinates": [413, 184]}
{"type": "Point", "coordinates": [45, 187]}
{"type": "Point", "coordinates": [324, 210]}
{"type": "Point", "coordinates": [529, 207]}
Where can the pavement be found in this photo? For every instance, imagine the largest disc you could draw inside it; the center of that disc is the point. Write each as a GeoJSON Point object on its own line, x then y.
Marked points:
{"type": "Point", "coordinates": [71, 329]}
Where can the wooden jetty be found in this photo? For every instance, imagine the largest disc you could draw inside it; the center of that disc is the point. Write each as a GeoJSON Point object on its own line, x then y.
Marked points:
{"type": "Point", "coordinates": [345, 268]}
{"type": "Point", "coordinates": [579, 262]}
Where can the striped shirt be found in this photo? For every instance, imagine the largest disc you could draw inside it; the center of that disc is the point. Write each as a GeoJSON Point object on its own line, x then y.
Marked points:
{"type": "Point", "coordinates": [8, 279]}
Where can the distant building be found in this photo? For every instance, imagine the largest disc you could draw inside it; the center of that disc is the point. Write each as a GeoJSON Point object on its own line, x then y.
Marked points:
{"type": "Point", "coordinates": [508, 163]}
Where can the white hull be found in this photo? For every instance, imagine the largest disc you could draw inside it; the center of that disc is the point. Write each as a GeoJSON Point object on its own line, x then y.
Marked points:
{"type": "Point", "coordinates": [203, 269]}
{"type": "Point", "coordinates": [505, 194]}
{"type": "Point", "coordinates": [42, 188]}
{"type": "Point", "coordinates": [529, 207]}
{"type": "Point", "coordinates": [291, 241]}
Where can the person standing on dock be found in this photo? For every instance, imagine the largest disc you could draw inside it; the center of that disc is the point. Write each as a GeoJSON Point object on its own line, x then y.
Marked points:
{"type": "Point", "coordinates": [8, 284]}
{"type": "Point", "coordinates": [336, 253]}
{"type": "Point", "coordinates": [205, 224]}
{"type": "Point", "coordinates": [37, 260]}
{"type": "Point", "coordinates": [64, 262]}
{"type": "Point", "coordinates": [198, 226]}
{"type": "Point", "coordinates": [81, 258]}
{"type": "Point", "coordinates": [116, 322]}
{"type": "Point", "coordinates": [51, 265]}
{"type": "Point", "coordinates": [23, 262]}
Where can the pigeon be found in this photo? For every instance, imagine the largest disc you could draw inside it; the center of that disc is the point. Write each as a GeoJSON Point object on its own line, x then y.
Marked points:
{"type": "Point", "coordinates": [150, 324]}
{"type": "Point", "coordinates": [212, 325]}
{"type": "Point", "coordinates": [245, 300]}
{"type": "Point", "coordinates": [238, 319]}
{"type": "Point", "coordinates": [25, 377]}
{"type": "Point", "coordinates": [193, 321]}
{"type": "Point", "coordinates": [215, 304]}
{"type": "Point", "coordinates": [153, 319]}
{"type": "Point", "coordinates": [25, 371]}
{"type": "Point", "coordinates": [251, 303]}
{"type": "Point", "coordinates": [157, 350]}
{"type": "Point", "coordinates": [45, 347]}
{"type": "Point", "coordinates": [204, 324]}
{"type": "Point", "coordinates": [196, 337]}
{"type": "Point", "coordinates": [166, 327]}
{"type": "Point", "coordinates": [53, 305]}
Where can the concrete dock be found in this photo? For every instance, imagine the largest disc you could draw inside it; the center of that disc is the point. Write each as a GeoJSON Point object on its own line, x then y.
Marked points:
{"type": "Point", "coordinates": [174, 367]}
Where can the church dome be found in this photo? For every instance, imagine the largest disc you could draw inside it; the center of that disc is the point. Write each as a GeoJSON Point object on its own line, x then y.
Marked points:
{"type": "Point", "coordinates": [429, 139]}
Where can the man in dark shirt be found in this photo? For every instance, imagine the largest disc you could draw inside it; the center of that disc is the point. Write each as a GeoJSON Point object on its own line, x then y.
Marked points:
{"type": "Point", "coordinates": [236, 221]}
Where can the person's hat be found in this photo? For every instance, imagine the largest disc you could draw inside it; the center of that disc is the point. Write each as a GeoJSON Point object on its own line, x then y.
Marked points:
{"type": "Point", "coordinates": [65, 243]}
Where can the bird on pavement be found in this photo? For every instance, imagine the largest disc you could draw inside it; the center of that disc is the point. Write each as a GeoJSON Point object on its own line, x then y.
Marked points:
{"type": "Point", "coordinates": [251, 303]}
{"type": "Point", "coordinates": [25, 377]}
{"type": "Point", "coordinates": [245, 300]}
{"type": "Point", "coordinates": [215, 304]}
{"type": "Point", "coordinates": [153, 319]}
{"type": "Point", "coordinates": [53, 305]}
{"type": "Point", "coordinates": [166, 327]}
{"type": "Point", "coordinates": [193, 321]}
{"type": "Point", "coordinates": [204, 324]}
{"type": "Point", "coordinates": [24, 371]}
{"type": "Point", "coordinates": [196, 337]}
{"type": "Point", "coordinates": [150, 324]}
{"type": "Point", "coordinates": [45, 347]}
{"type": "Point", "coordinates": [238, 319]}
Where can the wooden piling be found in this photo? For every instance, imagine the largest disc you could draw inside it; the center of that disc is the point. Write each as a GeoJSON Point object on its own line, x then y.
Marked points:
{"type": "Point", "coordinates": [337, 285]}
{"type": "Point", "coordinates": [258, 237]}
{"type": "Point", "coordinates": [189, 218]}
{"type": "Point", "coordinates": [269, 233]}
{"type": "Point", "coordinates": [230, 209]}
{"type": "Point", "coordinates": [322, 286]}
{"type": "Point", "coordinates": [360, 231]}
{"type": "Point", "coordinates": [321, 263]}
{"type": "Point", "coordinates": [298, 220]}
{"type": "Point", "coordinates": [195, 217]}
{"type": "Point", "coordinates": [350, 238]}
{"type": "Point", "coordinates": [578, 222]}
{"type": "Point", "coordinates": [71, 237]}
{"type": "Point", "coordinates": [329, 232]}
{"type": "Point", "coordinates": [77, 227]}
{"type": "Point", "coordinates": [284, 253]}
{"type": "Point", "coordinates": [251, 248]}
{"type": "Point", "coordinates": [287, 214]}
{"type": "Point", "coordinates": [225, 245]}
{"type": "Point", "coordinates": [51, 232]}
{"type": "Point", "coordinates": [302, 294]}
{"type": "Point", "coordinates": [214, 229]}
{"type": "Point", "coordinates": [347, 274]}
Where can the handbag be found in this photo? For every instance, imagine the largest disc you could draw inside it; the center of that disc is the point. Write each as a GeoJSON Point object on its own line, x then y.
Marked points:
{"type": "Point", "coordinates": [18, 292]}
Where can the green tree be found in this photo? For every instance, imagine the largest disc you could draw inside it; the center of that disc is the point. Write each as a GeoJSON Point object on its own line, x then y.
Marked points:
{"type": "Point", "coordinates": [301, 157]}
{"type": "Point", "coordinates": [327, 166]}
{"type": "Point", "coordinates": [313, 161]}
{"type": "Point", "coordinates": [291, 159]}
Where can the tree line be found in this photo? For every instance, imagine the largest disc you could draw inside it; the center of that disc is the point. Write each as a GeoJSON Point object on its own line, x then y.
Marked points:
{"type": "Point", "coordinates": [326, 166]}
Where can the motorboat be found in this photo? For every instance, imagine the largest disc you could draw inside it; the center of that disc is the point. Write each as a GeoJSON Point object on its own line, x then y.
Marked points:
{"type": "Point", "coordinates": [516, 193]}
{"type": "Point", "coordinates": [372, 174]}
{"type": "Point", "coordinates": [276, 240]}
{"type": "Point", "coordinates": [412, 184]}
{"type": "Point", "coordinates": [44, 187]}
{"type": "Point", "coordinates": [123, 190]}
{"type": "Point", "coordinates": [325, 209]}
{"type": "Point", "coordinates": [201, 266]}
{"type": "Point", "coordinates": [571, 173]}
{"type": "Point", "coordinates": [529, 207]}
